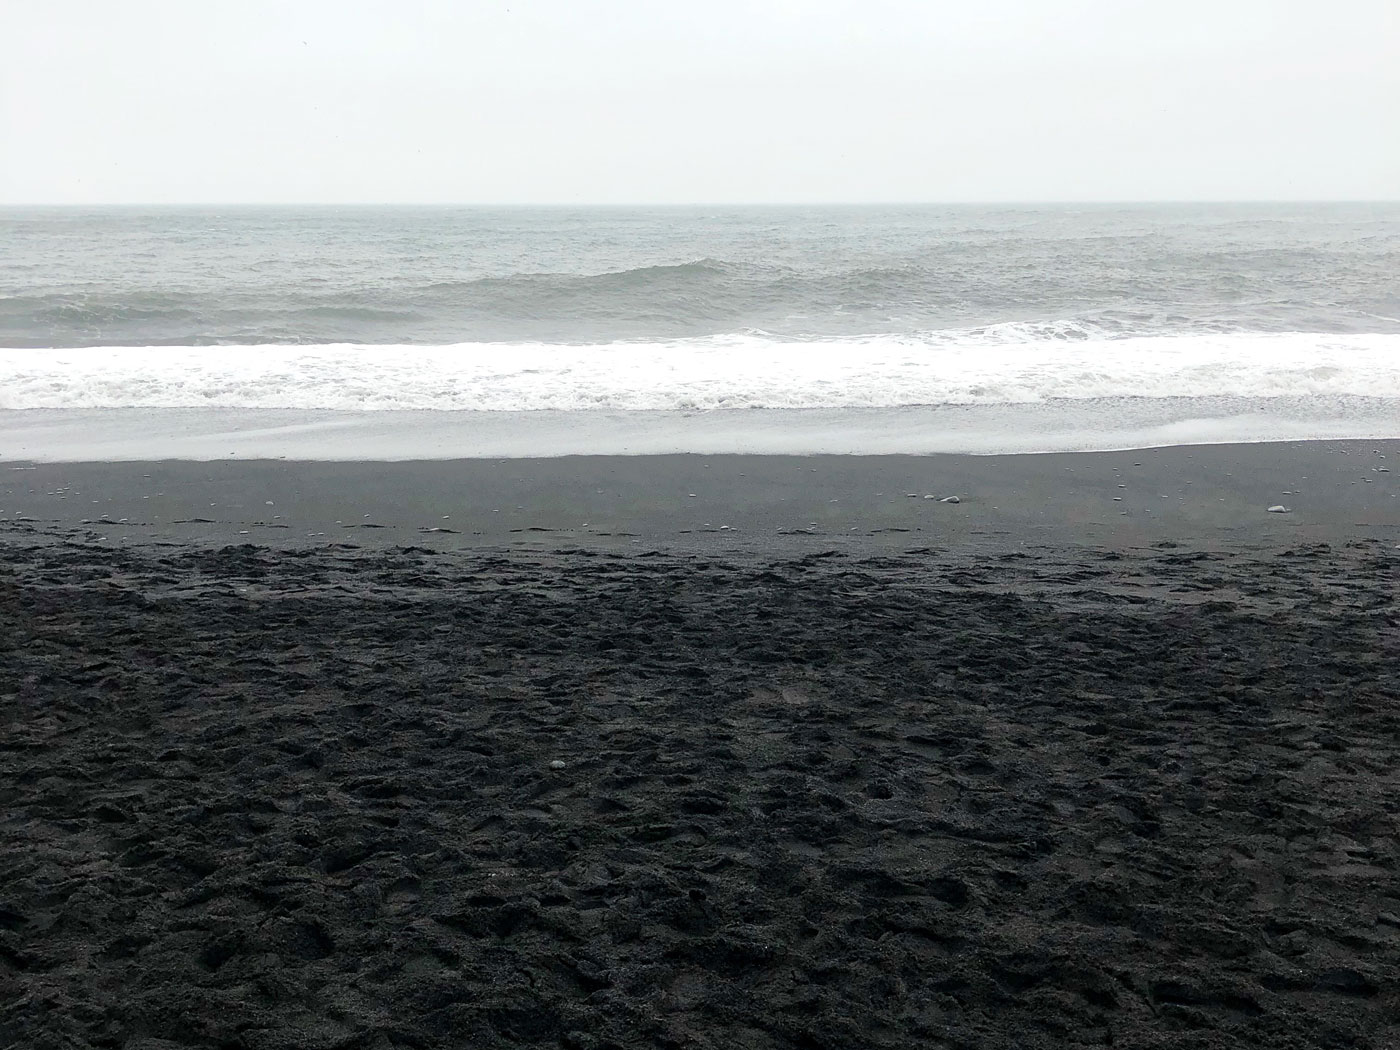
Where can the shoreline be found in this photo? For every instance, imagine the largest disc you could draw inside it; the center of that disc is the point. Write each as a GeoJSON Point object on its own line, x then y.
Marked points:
{"type": "Point", "coordinates": [1334, 491]}
{"type": "Point", "coordinates": [393, 435]}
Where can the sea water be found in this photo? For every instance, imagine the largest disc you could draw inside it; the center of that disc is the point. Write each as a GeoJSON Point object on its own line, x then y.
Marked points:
{"type": "Point", "coordinates": [406, 332]}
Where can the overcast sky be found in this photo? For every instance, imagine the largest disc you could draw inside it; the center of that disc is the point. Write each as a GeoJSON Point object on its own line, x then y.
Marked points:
{"type": "Point", "coordinates": [617, 101]}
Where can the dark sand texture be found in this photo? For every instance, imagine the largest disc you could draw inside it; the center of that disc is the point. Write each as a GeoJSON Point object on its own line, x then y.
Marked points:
{"type": "Point", "coordinates": [858, 795]}
{"type": "Point", "coordinates": [1218, 494]}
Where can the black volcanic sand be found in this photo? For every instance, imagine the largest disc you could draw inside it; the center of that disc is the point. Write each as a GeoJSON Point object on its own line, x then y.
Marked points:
{"type": "Point", "coordinates": [1209, 493]}
{"type": "Point", "coordinates": [813, 794]}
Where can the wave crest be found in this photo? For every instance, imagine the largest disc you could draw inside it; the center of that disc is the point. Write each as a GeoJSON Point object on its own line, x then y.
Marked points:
{"type": "Point", "coordinates": [1021, 364]}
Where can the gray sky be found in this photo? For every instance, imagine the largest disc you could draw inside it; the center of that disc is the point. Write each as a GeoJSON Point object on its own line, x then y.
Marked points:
{"type": "Point", "coordinates": [697, 100]}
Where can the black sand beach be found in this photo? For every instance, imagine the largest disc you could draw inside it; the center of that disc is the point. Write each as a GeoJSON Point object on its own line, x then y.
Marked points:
{"type": "Point", "coordinates": [800, 760]}
{"type": "Point", "coordinates": [1214, 494]}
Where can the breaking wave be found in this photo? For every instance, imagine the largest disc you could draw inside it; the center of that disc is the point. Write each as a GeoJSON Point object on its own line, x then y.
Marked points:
{"type": "Point", "coordinates": [1020, 363]}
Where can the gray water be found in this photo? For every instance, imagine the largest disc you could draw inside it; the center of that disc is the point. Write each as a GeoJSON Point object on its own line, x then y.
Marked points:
{"type": "Point", "coordinates": [412, 331]}
{"type": "Point", "coordinates": [138, 276]}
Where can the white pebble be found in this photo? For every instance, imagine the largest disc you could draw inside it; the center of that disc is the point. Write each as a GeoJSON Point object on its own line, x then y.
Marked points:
{"type": "Point", "coordinates": [1278, 508]}
{"type": "Point", "coordinates": [950, 499]}
{"type": "Point", "coordinates": [558, 763]}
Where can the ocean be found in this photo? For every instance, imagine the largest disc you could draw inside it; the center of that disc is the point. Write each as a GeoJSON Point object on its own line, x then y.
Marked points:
{"type": "Point", "coordinates": [430, 332]}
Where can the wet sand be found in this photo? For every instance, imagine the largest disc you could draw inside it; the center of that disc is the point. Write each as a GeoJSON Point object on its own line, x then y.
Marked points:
{"type": "Point", "coordinates": [1211, 493]}
{"type": "Point", "coordinates": [1058, 765]}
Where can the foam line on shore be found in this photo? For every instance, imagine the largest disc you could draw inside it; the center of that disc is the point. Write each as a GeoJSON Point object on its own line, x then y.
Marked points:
{"type": "Point", "coordinates": [1069, 426]}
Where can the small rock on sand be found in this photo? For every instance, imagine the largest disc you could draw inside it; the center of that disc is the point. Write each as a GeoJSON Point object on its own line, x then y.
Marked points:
{"type": "Point", "coordinates": [558, 763]}
{"type": "Point", "coordinates": [950, 499]}
{"type": "Point", "coordinates": [1278, 508]}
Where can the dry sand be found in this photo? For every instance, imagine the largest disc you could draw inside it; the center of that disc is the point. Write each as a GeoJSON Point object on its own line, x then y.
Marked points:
{"type": "Point", "coordinates": [1034, 772]}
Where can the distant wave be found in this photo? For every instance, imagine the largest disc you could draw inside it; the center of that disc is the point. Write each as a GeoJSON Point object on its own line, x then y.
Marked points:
{"type": "Point", "coordinates": [833, 299]}
{"type": "Point", "coordinates": [1017, 363]}
{"type": "Point", "coordinates": [672, 275]}
{"type": "Point", "coordinates": [706, 291]}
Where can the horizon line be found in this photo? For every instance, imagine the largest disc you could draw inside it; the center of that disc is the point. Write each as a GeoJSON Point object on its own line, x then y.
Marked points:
{"type": "Point", "coordinates": [1026, 202]}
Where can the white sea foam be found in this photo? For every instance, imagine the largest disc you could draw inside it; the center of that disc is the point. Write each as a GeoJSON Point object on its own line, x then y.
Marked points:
{"type": "Point", "coordinates": [998, 365]}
